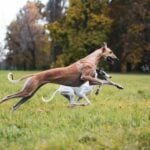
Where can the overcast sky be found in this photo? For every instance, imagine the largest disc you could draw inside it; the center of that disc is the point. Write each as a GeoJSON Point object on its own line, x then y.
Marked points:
{"type": "Point", "coordinates": [8, 11]}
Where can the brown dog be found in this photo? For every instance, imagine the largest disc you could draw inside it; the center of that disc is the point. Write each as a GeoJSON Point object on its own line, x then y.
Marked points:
{"type": "Point", "coordinates": [73, 75]}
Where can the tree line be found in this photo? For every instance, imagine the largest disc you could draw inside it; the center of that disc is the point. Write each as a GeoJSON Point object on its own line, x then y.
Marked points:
{"type": "Point", "coordinates": [63, 31]}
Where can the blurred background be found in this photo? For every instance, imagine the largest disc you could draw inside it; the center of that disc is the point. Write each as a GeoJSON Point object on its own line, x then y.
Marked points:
{"type": "Point", "coordinates": [55, 33]}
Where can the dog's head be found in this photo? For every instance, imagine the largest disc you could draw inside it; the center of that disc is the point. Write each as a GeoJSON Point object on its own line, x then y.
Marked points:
{"type": "Point", "coordinates": [108, 54]}
{"type": "Point", "coordinates": [101, 74]}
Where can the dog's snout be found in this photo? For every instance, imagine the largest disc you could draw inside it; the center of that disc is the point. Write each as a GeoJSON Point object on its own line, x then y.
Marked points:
{"type": "Point", "coordinates": [117, 59]}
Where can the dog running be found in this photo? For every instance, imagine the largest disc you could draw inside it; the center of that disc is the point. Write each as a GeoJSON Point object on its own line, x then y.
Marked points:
{"type": "Point", "coordinates": [82, 91]}
{"type": "Point", "coordinates": [73, 75]}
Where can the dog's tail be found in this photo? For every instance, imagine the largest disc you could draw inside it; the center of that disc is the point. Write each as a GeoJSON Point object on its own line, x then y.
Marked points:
{"type": "Point", "coordinates": [11, 78]}
{"type": "Point", "coordinates": [51, 98]}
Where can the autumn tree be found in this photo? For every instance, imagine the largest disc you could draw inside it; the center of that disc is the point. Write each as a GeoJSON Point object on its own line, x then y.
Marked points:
{"type": "Point", "coordinates": [84, 27]}
{"type": "Point", "coordinates": [54, 11]}
{"type": "Point", "coordinates": [130, 31]}
{"type": "Point", "coordinates": [26, 39]}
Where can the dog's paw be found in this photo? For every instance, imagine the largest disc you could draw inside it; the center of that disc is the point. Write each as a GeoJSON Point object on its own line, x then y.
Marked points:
{"type": "Point", "coordinates": [72, 105]}
{"type": "Point", "coordinates": [87, 103]}
{"type": "Point", "coordinates": [97, 92]}
{"type": "Point", "coordinates": [119, 87]}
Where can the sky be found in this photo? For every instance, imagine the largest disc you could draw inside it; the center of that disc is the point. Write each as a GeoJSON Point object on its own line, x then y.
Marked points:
{"type": "Point", "coordinates": [8, 12]}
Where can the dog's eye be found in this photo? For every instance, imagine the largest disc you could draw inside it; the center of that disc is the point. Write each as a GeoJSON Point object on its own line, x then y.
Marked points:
{"type": "Point", "coordinates": [110, 52]}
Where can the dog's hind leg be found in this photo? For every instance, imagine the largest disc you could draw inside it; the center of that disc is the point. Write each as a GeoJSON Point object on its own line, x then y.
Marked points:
{"type": "Point", "coordinates": [22, 93]}
{"type": "Point", "coordinates": [66, 96]}
{"type": "Point", "coordinates": [83, 104]}
{"type": "Point", "coordinates": [28, 96]}
{"type": "Point", "coordinates": [23, 100]}
{"type": "Point", "coordinates": [30, 87]}
{"type": "Point", "coordinates": [16, 95]}
{"type": "Point", "coordinates": [87, 100]}
{"type": "Point", "coordinates": [72, 101]}
{"type": "Point", "coordinates": [70, 97]}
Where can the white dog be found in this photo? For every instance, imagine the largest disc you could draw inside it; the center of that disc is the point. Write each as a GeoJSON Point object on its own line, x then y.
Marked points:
{"type": "Point", "coordinates": [84, 90]}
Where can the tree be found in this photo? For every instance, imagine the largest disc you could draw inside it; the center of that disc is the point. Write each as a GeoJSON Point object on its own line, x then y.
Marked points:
{"type": "Point", "coordinates": [130, 31]}
{"type": "Point", "coordinates": [2, 54]}
{"type": "Point", "coordinates": [26, 39]}
{"type": "Point", "coordinates": [84, 27]}
{"type": "Point", "coordinates": [55, 10]}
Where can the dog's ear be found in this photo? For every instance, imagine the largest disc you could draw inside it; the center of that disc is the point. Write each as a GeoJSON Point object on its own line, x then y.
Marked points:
{"type": "Point", "coordinates": [104, 46]}
{"type": "Point", "coordinates": [103, 49]}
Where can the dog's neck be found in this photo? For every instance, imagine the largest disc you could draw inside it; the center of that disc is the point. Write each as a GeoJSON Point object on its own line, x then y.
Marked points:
{"type": "Point", "coordinates": [95, 57]}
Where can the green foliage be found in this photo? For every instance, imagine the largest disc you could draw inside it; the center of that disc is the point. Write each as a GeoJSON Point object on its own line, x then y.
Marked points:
{"type": "Point", "coordinates": [85, 26]}
{"type": "Point", "coordinates": [76, 29]}
{"type": "Point", "coordinates": [115, 119]}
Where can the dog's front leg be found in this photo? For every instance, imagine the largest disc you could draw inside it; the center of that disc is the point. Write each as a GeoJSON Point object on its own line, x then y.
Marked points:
{"type": "Point", "coordinates": [70, 96]}
{"type": "Point", "coordinates": [98, 89]}
{"type": "Point", "coordinates": [105, 82]}
{"type": "Point", "coordinates": [87, 100]}
{"type": "Point", "coordinates": [82, 94]}
{"type": "Point", "coordinates": [92, 81]}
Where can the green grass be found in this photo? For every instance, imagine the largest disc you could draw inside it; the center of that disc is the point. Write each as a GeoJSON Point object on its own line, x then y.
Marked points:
{"type": "Point", "coordinates": [116, 119]}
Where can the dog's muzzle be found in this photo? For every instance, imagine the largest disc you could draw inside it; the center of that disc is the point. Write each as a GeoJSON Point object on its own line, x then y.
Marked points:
{"type": "Point", "coordinates": [112, 60]}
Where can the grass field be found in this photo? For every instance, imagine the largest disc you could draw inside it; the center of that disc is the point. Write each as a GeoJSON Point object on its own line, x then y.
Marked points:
{"type": "Point", "coordinates": [117, 119]}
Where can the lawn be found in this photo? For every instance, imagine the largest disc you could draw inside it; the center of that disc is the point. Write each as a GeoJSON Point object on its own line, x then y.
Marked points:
{"type": "Point", "coordinates": [116, 119]}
